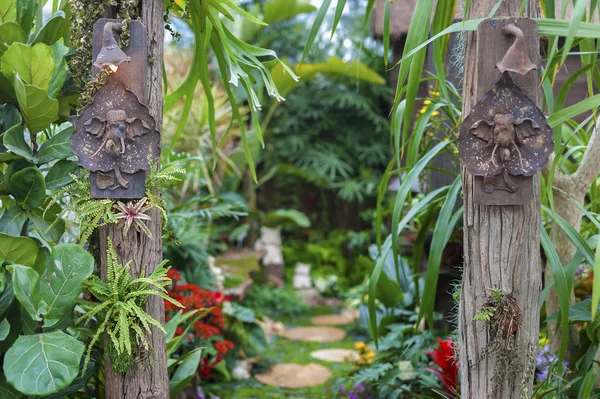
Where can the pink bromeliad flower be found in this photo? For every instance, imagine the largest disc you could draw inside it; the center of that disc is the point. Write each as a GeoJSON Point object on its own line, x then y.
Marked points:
{"type": "Point", "coordinates": [133, 215]}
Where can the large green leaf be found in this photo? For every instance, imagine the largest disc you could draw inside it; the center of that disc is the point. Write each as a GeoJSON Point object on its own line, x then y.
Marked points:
{"type": "Point", "coordinates": [185, 371]}
{"type": "Point", "coordinates": [42, 364]}
{"type": "Point", "coordinates": [59, 52]}
{"type": "Point", "coordinates": [60, 174]}
{"type": "Point", "coordinates": [26, 287]}
{"type": "Point", "coordinates": [14, 140]}
{"type": "Point", "coordinates": [21, 250]}
{"type": "Point", "coordinates": [8, 10]}
{"type": "Point", "coordinates": [38, 108]}
{"type": "Point", "coordinates": [49, 226]}
{"type": "Point", "coordinates": [28, 187]}
{"type": "Point", "coordinates": [10, 32]}
{"type": "Point", "coordinates": [34, 65]}
{"type": "Point", "coordinates": [12, 221]}
{"type": "Point", "coordinates": [25, 13]}
{"type": "Point", "coordinates": [51, 31]}
{"type": "Point", "coordinates": [59, 145]}
{"type": "Point", "coordinates": [69, 267]}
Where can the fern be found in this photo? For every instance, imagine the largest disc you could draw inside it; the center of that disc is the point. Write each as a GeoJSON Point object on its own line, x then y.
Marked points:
{"type": "Point", "coordinates": [373, 373]}
{"type": "Point", "coordinates": [91, 213]}
{"type": "Point", "coordinates": [119, 310]}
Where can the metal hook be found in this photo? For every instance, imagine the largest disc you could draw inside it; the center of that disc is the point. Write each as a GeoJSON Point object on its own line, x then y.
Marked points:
{"type": "Point", "coordinates": [516, 58]}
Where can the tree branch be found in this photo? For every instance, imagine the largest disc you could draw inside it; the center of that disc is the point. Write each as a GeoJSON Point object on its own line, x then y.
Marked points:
{"type": "Point", "coordinates": [589, 168]}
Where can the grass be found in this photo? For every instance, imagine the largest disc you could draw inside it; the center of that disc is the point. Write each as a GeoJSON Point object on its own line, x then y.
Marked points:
{"type": "Point", "coordinates": [282, 350]}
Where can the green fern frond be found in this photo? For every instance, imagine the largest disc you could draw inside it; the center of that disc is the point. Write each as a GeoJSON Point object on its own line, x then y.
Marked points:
{"type": "Point", "coordinates": [119, 309]}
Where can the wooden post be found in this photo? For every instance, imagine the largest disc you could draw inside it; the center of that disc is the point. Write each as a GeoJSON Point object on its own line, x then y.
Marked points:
{"type": "Point", "coordinates": [149, 376]}
{"type": "Point", "coordinates": [501, 243]}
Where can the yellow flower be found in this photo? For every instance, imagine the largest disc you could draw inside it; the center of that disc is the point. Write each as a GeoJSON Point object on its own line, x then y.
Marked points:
{"type": "Point", "coordinates": [359, 345]}
{"type": "Point", "coordinates": [422, 110]}
{"type": "Point", "coordinates": [427, 102]}
{"type": "Point", "coordinates": [434, 113]}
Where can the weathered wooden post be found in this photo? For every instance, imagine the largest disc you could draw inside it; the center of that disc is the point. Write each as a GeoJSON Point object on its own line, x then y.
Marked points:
{"type": "Point", "coordinates": [116, 135]}
{"type": "Point", "coordinates": [502, 269]}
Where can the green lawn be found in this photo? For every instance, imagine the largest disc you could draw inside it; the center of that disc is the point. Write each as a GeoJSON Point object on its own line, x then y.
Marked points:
{"type": "Point", "coordinates": [282, 350]}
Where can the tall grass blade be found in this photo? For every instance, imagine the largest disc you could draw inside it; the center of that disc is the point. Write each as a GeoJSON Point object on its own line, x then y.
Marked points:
{"type": "Point", "coordinates": [441, 234]}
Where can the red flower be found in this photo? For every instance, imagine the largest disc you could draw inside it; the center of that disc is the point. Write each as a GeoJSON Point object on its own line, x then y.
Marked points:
{"type": "Point", "coordinates": [446, 361]}
{"type": "Point", "coordinates": [219, 297]}
{"type": "Point", "coordinates": [174, 275]}
{"type": "Point", "coordinates": [223, 346]}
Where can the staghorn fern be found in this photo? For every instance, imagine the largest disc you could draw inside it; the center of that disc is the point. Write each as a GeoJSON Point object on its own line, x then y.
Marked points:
{"type": "Point", "coordinates": [119, 310]}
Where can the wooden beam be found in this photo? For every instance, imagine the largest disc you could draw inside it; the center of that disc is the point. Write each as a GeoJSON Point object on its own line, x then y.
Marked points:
{"type": "Point", "coordinates": [501, 243]}
{"type": "Point", "coordinates": [149, 376]}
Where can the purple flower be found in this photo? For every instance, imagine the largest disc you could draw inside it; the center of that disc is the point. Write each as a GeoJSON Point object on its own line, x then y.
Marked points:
{"type": "Point", "coordinates": [544, 360]}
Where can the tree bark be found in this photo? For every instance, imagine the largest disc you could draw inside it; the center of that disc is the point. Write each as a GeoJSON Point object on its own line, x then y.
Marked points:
{"type": "Point", "coordinates": [501, 243]}
{"type": "Point", "coordinates": [149, 376]}
{"type": "Point", "coordinates": [568, 192]}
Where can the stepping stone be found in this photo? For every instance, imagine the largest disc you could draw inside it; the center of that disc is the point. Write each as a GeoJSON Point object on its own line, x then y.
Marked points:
{"type": "Point", "coordinates": [335, 355]}
{"type": "Point", "coordinates": [331, 320]}
{"type": "Point", "coordinates": [293, 375]}
{"type": "Point", "coordinates": [314, 334]}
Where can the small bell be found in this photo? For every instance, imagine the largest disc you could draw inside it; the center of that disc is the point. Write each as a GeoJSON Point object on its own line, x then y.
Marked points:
{"type": "Point", "coordinates": [516, 58]}
{"type": "Point", "coordinates": [111, 54]}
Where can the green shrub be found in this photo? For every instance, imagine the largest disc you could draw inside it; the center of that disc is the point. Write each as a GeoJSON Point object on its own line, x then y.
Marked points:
{"type": "Point", "coordinates": [274, 302]}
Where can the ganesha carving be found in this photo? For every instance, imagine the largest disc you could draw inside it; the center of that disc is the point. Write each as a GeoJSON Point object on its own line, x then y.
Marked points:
{"type": "Point", "coordinates": [113, 139]}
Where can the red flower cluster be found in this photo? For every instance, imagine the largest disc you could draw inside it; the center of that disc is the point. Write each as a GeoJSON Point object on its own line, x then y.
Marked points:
{"type": "Point", "coordinates": [211, 325]}
{"type": "Point", "coordinates": [447, 371]}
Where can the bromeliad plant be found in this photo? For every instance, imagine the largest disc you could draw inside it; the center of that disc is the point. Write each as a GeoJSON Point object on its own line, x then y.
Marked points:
{"type": "Point", "coordinates": [119, 309]}
{"type": "Point", "coordinates": [133, 214]}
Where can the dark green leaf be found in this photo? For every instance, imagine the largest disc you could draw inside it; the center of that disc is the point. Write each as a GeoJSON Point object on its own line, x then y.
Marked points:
{"type": "Point", "coordinates": [50, 226]}
{"type": "Point", "coordinates": [63, 282]}
{"type": "Point", "coordinates": [12, 221]}
{"type": "Point", "coordinates": [42, 364]}
{"type": "Point", "coordinates": [7, 298]}
{"type": "Point", "coordinates": [4, 329]}
{"type": "Point", "coordinates": [21, 250]}
{"type": "Point", "coordinates": [59, 51]}
{"type": "Point", "coordinates": [185, 371]}
{"type": "Point", "coordinates": [6, 390]}
{"type": "Point", "coordinates": [59, 174]}
{"type": "Point", "coordinates": [14, 140]}
{"type": "Point", "coordinates": [59, 145]}
{"type": "Point", "coordinates": [51, 31]}
{"type": "Point", "coordinates": [28, 187]}
{"type": "Point", "coordinates": [26, 287]}
{"type": "Point", "coordinates": [26, 13]}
